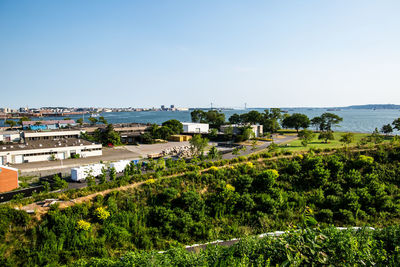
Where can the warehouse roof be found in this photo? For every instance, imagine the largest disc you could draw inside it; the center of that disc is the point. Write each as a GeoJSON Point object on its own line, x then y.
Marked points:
{"type": "Point", "coordinates": [42, 144]}
{"type": "Point", "coordinates": [24, 123]}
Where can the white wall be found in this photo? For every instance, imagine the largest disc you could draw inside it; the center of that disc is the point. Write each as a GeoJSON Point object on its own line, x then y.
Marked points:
{"type": "Point", "coordinates": [13, 137]}
{"type": "Point", "coordinates": [67, 150]}
{"type": "Point", "coordinates": [52, 133]}
{"type": "Point", "coordinates": [195, 127]}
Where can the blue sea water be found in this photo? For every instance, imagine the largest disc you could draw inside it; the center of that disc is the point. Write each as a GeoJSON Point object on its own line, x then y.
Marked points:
{"type": "Point", "coordinates": [355, 120]}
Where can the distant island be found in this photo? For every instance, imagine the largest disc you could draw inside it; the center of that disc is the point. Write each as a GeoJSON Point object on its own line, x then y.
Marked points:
{"type": "Point", "coordinates": [374, 106]}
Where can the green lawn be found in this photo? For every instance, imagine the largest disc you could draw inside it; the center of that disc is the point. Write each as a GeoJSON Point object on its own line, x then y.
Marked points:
{"type": "Point", "coordinates": [315, 143]}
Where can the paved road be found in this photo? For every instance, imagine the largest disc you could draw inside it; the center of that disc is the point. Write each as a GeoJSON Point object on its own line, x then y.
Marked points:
{"type": "Point", "coordinates": [64, 166]}
{"type": "Point", "coordinates": [228, 243]}
{"type": "Point", "coordinates": [277, 140]}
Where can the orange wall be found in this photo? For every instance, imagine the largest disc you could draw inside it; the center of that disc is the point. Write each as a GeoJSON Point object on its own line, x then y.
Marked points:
{"type": "Point", "coordinates": [8, 179]}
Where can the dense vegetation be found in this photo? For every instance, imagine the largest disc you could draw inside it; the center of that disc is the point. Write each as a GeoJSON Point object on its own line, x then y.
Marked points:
{"type": "Point", "coordinates": [235, 201]}
{"type": "Point", "coordinates": [105, 136]}
{"type": "Point", "coordinates": [164, 131]}
{"type": "Point", "coordinates": [328, 247]}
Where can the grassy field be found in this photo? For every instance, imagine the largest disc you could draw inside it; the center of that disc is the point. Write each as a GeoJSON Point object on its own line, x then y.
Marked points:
{"type": "Point", "coordinates": [320, 144]}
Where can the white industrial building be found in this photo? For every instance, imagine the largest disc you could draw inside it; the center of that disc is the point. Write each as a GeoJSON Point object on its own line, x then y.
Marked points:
{"type": "Point", "coordinates": [256, 128]}
{"type": "Point", "coordinates": [10, 136]}
{"type": "Point", "coordinates": [44, 146]}
{"type": "Point", "coordinates": [194, 127]}
{"type": "Point", "coordinates": [50, 135]}
{"type": "Point", "coordinates": [81, 173]}
{"type": "Point", "coordinates": [49, 150]}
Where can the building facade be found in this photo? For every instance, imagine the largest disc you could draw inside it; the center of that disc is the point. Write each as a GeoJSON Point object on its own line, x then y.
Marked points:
{"type": "Point", "coordinates": [8, 179]}
{"type": "Point", "coordinates": [17, 154]}
{"type": "Point", "coordinates": [44, 146]}
{"type": "Point", "coordinates": [257, 129]}
{"type": "Point", "coordinates": [10, 136]}
{"type": "Point", "coordinates": [193, 127]}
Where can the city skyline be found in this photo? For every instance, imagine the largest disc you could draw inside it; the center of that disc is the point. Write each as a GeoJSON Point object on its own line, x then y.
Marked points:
{"type": "Point", "coordinates": [131, 53]}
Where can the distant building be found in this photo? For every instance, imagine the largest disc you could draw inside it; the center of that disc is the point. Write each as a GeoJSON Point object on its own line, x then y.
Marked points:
{"type": "Point", "coordinates": [8, 179]}
{"type": "Point", "coordinates": [194, 127]}
{"type": "Point", "coordinates": [47, 125]}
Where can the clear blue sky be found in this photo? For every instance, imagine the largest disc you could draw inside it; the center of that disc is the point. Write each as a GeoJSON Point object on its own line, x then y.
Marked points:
{"type": "Point", "coordinates": [191, 53]}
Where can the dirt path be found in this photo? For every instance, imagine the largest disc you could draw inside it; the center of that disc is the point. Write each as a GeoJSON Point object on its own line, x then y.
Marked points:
{"type": "Point", "coordinates": [40, 210]}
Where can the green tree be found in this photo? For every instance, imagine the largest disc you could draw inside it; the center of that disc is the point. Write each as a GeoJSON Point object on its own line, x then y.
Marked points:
{"type": "Point", "coordinates": [146, 138]}
{"type": "Point", "coordinates": [306, 136]}
{"type": "Point", "coordinates": [215, 118]}
{"type": "Point", "coordinates": [103, 120]}
{"type": "Point", "coordinates": [197, 115]}
{"type": "Point", "coordinates": [296, 121]}
{"type": "Point", "coordinates": [93, 121]}
{"type": "Point", "coordinates": [80, 121]}
{"type": "Point", "coordinates": [347, 138]}
{"type": "Point", "coordinates": [198, 144]}
{"type": "Point", "coordinates": [330, 120]}
{"type": "Point", "coordinates": [22, 120]}
{"type": "Point", "coordinates": [328, 135]}
{"type": "Point", "coordinates": [248, 133]}
{"type": "Point", "coordinates": [107, 135]}
{"type": "Point", "coordinates": [11, 123]}
{"type": "Point", "coordinates": [396, 124]}
{"type": "Point", "coordinates": [113, 174]}
{"type": "Point", "coordinates": [270, 120]}
{"type": "Point", "coordinates": [90, 179]}
{"type": "Point", "coordinates": [254, 144]}
{"type": "Point", "coordinates": [235, 119]}
{"type": "Point", "coordinates": [317, 122]}
{"type": "Point", "coordinates": [163, 132]}
{"type": "Point", "coordinates": [212, 117]}
{"type": "Point", "coordinates": [375, 137]}
{"type": "Point", "coordinates": [326, 121]}
{"type": "Point", "coordinates": [228, 132]}
{"type": "Point", "coordinates": [387, 129]}
{"type": "Point", "coordinates": [103, 176]}
{"type": "Point", "coordinates": [46, 186]}
{"type": "Point", "coordinates": [59, 183]}
{"type": "Point", "coordinates": [175, 125]}
{"type": "Point", "coordinates": [252, 117]}
{"type": "Point", "coordinates": [213, 133]}
{"type": "Point", "coordinates": [213, 153]}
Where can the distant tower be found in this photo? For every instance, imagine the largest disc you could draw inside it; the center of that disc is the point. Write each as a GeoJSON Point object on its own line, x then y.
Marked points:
{"type": "Point", "coordinates": [211, 105]}
{"type": "Point", "coordinates": [245, 105]}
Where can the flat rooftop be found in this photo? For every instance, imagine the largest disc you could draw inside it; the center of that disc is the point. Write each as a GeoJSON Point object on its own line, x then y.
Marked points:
{"type": "Point", "coordinates": [51, 131]}
{"type": "Point", "coordinates": [43, 144]}
{"type": "Point", "coordinates": [193, 123]}
{"type": "Point", "coordinates": [8, 132]}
